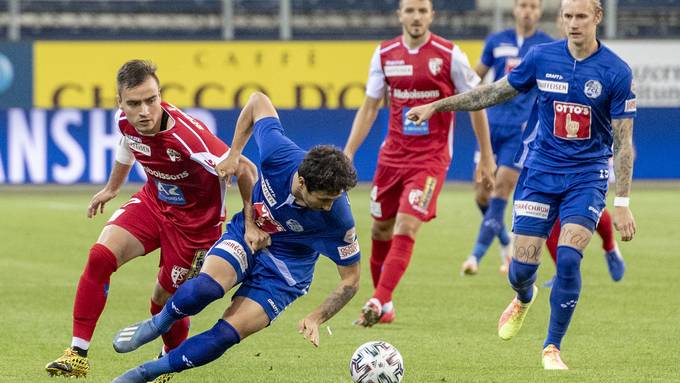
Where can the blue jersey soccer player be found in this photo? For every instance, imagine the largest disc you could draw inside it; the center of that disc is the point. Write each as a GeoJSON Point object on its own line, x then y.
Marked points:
{"type": "Point", "coordinates": [585, 107]}
{"type": "Point", "coordinates": [300, 205]}
{"type": "Point", "coordinates": [503, 51]}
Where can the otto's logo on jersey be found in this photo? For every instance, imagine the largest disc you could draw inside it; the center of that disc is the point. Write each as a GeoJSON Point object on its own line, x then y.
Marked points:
{"type": "Point", "coordinates": [435, 65]}
{"type": "Point", "coordinates": [264, 219]}
{"type": "Point", "coordinates": [593, 89]}
{"type": "Point", "coordinates": [173, 155]}
{"type": "Point", "coordinates": [572, 121]}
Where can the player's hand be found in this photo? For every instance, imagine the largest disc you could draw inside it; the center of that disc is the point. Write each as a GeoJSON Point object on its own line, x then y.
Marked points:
{"type": "Point", "coordinates": [256, 239]}
{"type": "Point", "coordinates": [98, 201]}
{"type": "Point", "coordinates": [624, 222]}
{"type": "Point", "coordinates": [485, 173]}
{"type": "Point", "coordinates": [420, 114]}
{"type": "Point", "coordinates": [227, 168]}
{"type": "Point", "coordinates": [309, 328]}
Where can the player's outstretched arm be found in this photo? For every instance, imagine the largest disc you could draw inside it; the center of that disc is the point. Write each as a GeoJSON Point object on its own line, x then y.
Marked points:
{"type": "Point", "coordinates": [349, 285]}
{"type": "Point", "coordinates": [117, 178]}
{"type": "Point", "coordinates": [623, 169]}
{"type": "Point", "coordinates": [475, 99]}
{"type": "Point", "coordinates": [363, 121]}
{"type": "Point", "coordinates": [485, 173]}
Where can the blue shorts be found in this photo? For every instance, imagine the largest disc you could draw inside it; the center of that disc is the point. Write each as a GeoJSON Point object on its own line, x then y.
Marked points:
{"type": "Point", "coordinates": [261, 279]}
{"type": "Point", "coordinates": [540, 197]}
{"type": "Point", "coordinates": [505, 142]}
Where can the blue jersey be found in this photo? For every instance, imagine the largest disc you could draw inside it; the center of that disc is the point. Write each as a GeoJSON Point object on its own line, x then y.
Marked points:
{"type": "Point", "coordinates": [503, 51]}
{"type": "Point", "coordinates": [298, 234]}
{"type": "Point", "coordinates": [577, 101]}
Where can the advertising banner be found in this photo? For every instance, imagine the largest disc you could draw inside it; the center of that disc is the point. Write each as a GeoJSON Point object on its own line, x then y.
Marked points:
{"type": "Point", "coordinates": [16, 75]}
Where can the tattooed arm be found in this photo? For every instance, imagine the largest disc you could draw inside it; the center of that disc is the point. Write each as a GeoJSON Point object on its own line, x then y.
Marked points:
{"type": "Point", "coordinates": [349, 284]}
{"type": "Point", "coordinates": [475, 99]}
{"type": "Point", "coordinates": [623, 169]}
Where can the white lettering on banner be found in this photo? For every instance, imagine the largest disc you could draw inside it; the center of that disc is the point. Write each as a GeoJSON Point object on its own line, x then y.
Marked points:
{"type": "Point", "coordinates": [398, 70]}
{"type": "Point", "coordinates": [415, 94]}
{"type": "Point", "coordinates": [553, 86]}
{"type": "Point", "coordinates": [27, 146]}
{"type": "Point", "coordinates": [102, 142]}
{"type": "Point", "coordinates": [75, 166]}
{"type": "Point", "coordinates": [532, 209]}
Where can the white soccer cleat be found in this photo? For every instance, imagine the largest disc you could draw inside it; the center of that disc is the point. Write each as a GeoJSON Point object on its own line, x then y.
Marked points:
{"type": "Point", "coordinates": [551, 359]}
{"type": "Point", "coordinates": [470, 266]}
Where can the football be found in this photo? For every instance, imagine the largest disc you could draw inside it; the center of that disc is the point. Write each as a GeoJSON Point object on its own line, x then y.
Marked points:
{"type": "Point", "coordinates": [376, 362]}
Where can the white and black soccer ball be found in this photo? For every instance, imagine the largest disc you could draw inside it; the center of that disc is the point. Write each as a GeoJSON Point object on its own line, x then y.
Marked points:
{"type": "Point", "coordinates": [376, 362]}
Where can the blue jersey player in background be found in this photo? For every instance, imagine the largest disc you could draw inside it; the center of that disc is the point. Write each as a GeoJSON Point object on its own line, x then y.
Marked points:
{"type": "Point", "coordinates": [503, 51]}
{"type": "Point", "coordinates": [585, 109]}
{"type": "Point", "coordinates": [299, 210]}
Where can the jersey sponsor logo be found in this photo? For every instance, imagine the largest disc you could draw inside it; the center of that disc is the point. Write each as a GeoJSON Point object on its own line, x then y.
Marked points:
{"type": "Point", "coordinates": [348, 251]}
{"type": "Point", "coordinates": [512, 63]}
{"type": "Point", "coordinates": [394, 62]}
{"type": "Point", "coordinates": [631, 105]}
{"type": "Point", "coordinates": [572, 121]}
{"type": "Point", "coordinates": [415, 94]}
{"type": "Point", "coordinates": [273, 306]}
{"type": "Point", "coordinates": [178, 275]}
{"type": "Point", "coordinates": [410, 128]}
{"type": "Point", "coordinates": [398, 70]}
{"type": "Point", "coordinates": [165, 176]}
{"type": "Point", "coordinates": [173, 155]}
{"type": "Point", "coordinates": [420, 199]}
{"type": "Point", "coordinates": [138, 146]}
{"type": "Point", "coordinates": [505, 51]}
{"type": "Point", "coordinates": [236, 251]}
{"type": "Point", "coordinates": [532, 209]}
{"type": "Point", "coordinates": [268, 192]}
{"type": "Point", "coordinates": [295, 226]}
{"type": "Point", "coordinates": [554, 76]}
{"type": "Point", "coordinates": [435, 65]}
{"type": "Point", "coordinates": [264, 219]}
{"type": "Point", "coordinates": [592, 89]}
{"type": "Point", "coordinates": [170, 193]}
{"type": "Point", "coordinates": [350, 235]}
{"type": "Point", "coordinates": [553, 86]}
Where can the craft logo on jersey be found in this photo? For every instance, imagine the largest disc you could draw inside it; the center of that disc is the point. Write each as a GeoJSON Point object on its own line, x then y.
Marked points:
{"type": "Point", "coordinates": [593, 89]}
{"type": "Point", "coordinates": [420, 199]}
{"type": "Point", "coordinates": [572, 121]}
{"type": "Point", "coordinates": [264, 220]}
{"type": "Point", "coordinates": [294, 225]}
{"type": "Point", "coordinates": [173, 155]}
{"type": "Point", "coordinates": [435, 65]}
{"type": "Point", "coordinates": [134, 143]}
{"type": "Point", "coordinates": [170, 193]}
{"type": "Point", "coordinates": [178, 274]}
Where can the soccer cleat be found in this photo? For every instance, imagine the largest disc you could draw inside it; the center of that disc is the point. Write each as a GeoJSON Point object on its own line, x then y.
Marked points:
{"type": "Point", "coordinates": [551, 359]}
{"type": "Point", "coordinates": [388, 317]}
{"type": "Point", "coordinates": [135, 375]}
{"type": "Point", "coordinates": [134, 336]}
{"type": "Point", "coordinates": [164, 378]}
{"type": "Point", "coordinates": [470, 266]}
{"type": "Point", "coordinates": [370, 313]}
{"type": "Point", "coordinates": [512, 318]}
{"type": "Point", "coordinates": [615, 264]}
{"type": "Point", "coordinates": [70, 364]}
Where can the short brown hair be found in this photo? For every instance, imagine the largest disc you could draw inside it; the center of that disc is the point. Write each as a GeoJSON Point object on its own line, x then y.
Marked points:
{"type": "Point", "coordinates": [135, 72]}
{"type": "Point", "coordinates": [326, 168]}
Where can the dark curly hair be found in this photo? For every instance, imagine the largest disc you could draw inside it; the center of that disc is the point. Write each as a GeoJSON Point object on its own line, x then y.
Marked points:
{"type": "Point", "coordinates": [133, 73]}
{"type": "Point", "coordinates": [326, 168]}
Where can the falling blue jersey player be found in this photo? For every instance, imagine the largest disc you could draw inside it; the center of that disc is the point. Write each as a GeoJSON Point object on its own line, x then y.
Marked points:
{"type": "Point", "coordinates": [585, 108]}
{"type": "Point", "coordinates": [503, 51]}
{"type": "Point", "coordinates": [299, 210]}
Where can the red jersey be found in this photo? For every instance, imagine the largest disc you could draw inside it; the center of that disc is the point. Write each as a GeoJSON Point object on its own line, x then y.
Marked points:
{"type": "Point", "coordinates": [180, 166]}
{"type": "Point", "coordinates": [433, 71]}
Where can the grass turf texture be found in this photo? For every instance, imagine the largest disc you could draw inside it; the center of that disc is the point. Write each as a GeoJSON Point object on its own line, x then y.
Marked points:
{"type": "Point", "coordinates": [445, 327]}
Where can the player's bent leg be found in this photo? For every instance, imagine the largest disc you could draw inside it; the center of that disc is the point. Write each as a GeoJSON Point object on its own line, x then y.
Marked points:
{"type": "Point", "coordinates": [381, 242]}
{"type": "Point", "coordinates": [506, 180]}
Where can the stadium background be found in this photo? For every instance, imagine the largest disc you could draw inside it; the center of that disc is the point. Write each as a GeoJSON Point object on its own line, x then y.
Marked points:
{"type": "Point", "coordinates": [57, 66]}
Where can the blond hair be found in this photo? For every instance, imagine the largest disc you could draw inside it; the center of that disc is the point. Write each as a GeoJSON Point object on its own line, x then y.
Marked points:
{"type": "Point", "coordinates": [596, 4]}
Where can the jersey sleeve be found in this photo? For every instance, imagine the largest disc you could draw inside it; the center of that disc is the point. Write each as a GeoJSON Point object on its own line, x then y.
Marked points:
{"type": "Point", "coordinates": [487, 54]}
{"type": "Point", "coordinates": [375, 86]}
{"type": "Point", "coordinates": [623, 103]}
{"type": "Point", "coordinates": [523, 77]}
{"type": "Point", "coordinates": [462, 75]}
{"type": "Point", "coordinates": [123, 153]}
{"type": "Point", "coordinates": [342, 245]}
{"type": "Point", "coordinates": [201, 145]}
{"type": "Point", "coordinates": [273, 144]}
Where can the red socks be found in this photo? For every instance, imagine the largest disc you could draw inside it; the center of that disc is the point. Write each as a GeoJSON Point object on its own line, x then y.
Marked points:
{"type": "Point", "coordinates": [178, 332]}
{"type": "Point", "coordinates": [92, 291]}
{"type": "Point", "coordinates": [605, 229]}
{"type": "Point", "coordinates": [394, 267]}
{"type": "Point", "coordinates": [379, 250]}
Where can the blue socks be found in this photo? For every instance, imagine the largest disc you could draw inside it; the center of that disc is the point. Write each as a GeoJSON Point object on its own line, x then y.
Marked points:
{"type": "Point", "coordinates": [522, 277]}
{"type": "Point", "coordinates": [564, 294]}
{"type": "Point", "coordinates": [195, 351]}
{"type": "Point", "coordinates": [191, 297]}
{"type": "Point", "coordinates": [492, 225]}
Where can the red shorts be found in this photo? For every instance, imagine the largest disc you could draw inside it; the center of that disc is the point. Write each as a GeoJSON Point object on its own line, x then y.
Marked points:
{"type": "Point", "coordinates": [405, 190]}
{"type": "Point", "coordinates": [179, 250]}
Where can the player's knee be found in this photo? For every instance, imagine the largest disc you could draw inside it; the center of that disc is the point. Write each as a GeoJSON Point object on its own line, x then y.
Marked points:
{"type": "Point", "coordinates": [521, 274]}
{"type": "Point", "coordinates": [481, 196]}
{"type": "Point", "coordinates": [568, 262]}
{"type": "Point", "coordinates": [101, 263]}
{"type": "Point", "coordinates": [381, 231]}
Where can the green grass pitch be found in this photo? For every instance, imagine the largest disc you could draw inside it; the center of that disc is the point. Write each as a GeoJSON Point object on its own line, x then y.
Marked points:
{"type": "Point", "coordinates": [446, 324]}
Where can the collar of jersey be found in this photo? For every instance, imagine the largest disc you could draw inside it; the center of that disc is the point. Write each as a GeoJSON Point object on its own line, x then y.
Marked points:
{"type": "Point", "coordinates": [417, 49]}
{"type": "Point", "coordinates": [600, 47]}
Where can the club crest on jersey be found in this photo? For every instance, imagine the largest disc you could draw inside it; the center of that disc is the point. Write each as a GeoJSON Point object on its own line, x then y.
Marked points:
{"type": "Point", "coordinates": [173, 155]}
{"type": "Point", "coordinates": [593, 89]}
{"type": "Point", "coordinates": [435, 65]}
{"type": "Point", "coordinates": [178, 274]}
{"type": "Point", "coordinates": [294, 225]}
{"type": "Point", "coordinates": [572, 121]}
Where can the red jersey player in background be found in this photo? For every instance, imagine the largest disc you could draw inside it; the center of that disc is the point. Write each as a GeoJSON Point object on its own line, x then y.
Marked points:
{"type": "Point", "coordinates": [180, 209]}
{"type": "Point", "coordinates": [417, 67]}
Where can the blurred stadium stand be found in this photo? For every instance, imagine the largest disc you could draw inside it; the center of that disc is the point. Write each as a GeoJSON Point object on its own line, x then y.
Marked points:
{"type": "Point", "coordinates": [302, 19]}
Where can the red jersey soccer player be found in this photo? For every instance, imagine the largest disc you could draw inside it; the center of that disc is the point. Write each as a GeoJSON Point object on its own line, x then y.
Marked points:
{"type": "Point", "coordinates": [417, 67]}
{"type": "Point", "coordinates": [180, 209]}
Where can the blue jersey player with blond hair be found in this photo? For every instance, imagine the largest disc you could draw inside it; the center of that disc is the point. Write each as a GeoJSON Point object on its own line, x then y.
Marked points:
{"type": "Point", "coordinates": [300, 210]}
{"type": "Point", "coordinates": [585, 110]}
